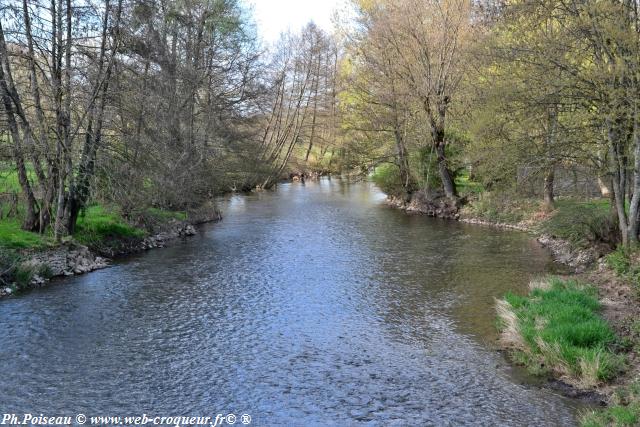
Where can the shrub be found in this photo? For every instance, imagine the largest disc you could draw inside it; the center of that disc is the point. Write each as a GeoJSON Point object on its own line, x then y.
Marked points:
{"type": "Point", "coordinates": [9, 260]}
{"type": "Point", "coordinates": [23, 275]}
{"type": "Point", "coordinates": [503, 207]}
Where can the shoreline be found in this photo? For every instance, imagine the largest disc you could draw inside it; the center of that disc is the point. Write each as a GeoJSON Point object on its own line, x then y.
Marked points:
{"type": "Point", "coordinates": [618, 299]}
{"type": "Point", "coordinates": [71, 258]}
{"type": "Point", "coordinates": [562, 252]}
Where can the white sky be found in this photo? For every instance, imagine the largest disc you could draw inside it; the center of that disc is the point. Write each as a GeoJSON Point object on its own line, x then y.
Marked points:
{"type": "Point", "coordinates": [276, 16]}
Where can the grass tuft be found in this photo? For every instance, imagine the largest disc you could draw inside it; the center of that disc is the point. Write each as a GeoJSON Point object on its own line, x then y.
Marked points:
{"type": "Point", "coordinates": [558, 328]}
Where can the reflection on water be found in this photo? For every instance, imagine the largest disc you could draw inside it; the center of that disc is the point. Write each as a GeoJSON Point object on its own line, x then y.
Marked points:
{"type": "Point", "coordinates": [311, 305]}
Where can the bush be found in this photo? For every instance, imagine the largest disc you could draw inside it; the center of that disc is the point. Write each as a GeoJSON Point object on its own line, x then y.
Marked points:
{"type": "Point", "coordinates": [557, 327]}
{"type": "Point", "coordinates": [23, 275]}
{"type": "Point", "coordinates": [9, 260]}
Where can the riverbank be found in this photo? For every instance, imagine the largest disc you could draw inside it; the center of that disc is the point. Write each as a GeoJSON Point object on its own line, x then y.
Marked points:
{"type": "Point", "coordinates": [576, 234]}
{"type": "Point", "coordinates": [578, 257]}
{"type": "Point", "coordinates": [100, 239]}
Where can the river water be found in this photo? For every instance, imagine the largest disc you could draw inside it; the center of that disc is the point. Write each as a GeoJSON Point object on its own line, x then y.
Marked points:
{"type": "Point", "coordinates": [311, 305]}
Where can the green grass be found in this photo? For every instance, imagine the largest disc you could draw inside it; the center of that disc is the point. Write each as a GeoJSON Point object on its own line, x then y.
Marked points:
{"type": "Point", "coordinates": [165, 215]}
{"type": "Point", "coordinates": [624, 410]}
{"type": "Point", "coordinates": [8, 179]}
{"type": "Point", "coordinates": [581, 222]}
{"type": "Point", "coordinates": [9, 182]}
{"type": "Point", "coordinates": [99, 224]}
{"type": "Point", "coordinates": [13, 237]}
{"type": "Point", "coordinates": [557, 329]}
{"type": "Point", "coordinates": [625, 262]}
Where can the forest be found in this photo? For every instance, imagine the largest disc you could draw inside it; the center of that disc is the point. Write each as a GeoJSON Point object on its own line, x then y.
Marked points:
{"type": "Point", "coordinates": [138, 105]}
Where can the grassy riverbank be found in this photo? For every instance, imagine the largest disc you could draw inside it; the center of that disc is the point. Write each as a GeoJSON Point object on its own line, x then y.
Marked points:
{"type": "Point", "coordinates": [583, 329]}
{"type": "Point", "coordinates": [103, 229]}
{"type": "Point", "coordinates": [557, 329]}
{"type": "Point", "coordinates": [582, 222]}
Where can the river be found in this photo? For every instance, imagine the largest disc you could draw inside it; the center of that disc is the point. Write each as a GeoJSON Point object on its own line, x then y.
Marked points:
{"type": "Point", "coordinates": [311, 305]}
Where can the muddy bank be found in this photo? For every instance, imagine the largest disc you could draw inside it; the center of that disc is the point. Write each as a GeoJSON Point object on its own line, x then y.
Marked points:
{"type": "Point", "coordinates": [71, 258]}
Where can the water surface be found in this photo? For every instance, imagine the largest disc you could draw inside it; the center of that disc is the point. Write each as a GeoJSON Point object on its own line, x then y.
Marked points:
{"type": "Point", "coordinates": [311, 305]}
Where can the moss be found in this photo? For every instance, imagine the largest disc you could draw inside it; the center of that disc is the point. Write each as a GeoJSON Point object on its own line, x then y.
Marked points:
{"type": "Point", "coordinates": [557, 327]}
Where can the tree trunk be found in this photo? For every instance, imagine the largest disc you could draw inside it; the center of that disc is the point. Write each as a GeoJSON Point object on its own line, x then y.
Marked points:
{"type": "Point", "coordinates": [315, 109]}
{"type": "Point", "coordinates": [618, 180]}
{"type": "Point", "coordinates": [11, 102]}
{"type": "Point", "coordinates": [448, 184]}
{"type": "Point", "coordinates": [549, 196]}
{"type": "Point", "coordinates": [634, 204]}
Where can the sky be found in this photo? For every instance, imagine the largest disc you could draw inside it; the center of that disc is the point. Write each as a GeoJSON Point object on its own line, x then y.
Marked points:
{"type": "Point", "coordinates": [276, 16]}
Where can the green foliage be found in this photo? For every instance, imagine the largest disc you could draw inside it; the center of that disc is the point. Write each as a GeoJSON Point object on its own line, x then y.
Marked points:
{"type": "Point", "coordinates": [619, 261]}
{"type": "Point", "coordinates": [99, 224]}
{"type": "Point", "coordinates": [9, 182]}
{"type": "Point", "coordinates": [582, 222]}
{"type": "Point", "coordinates": [562, 331]}
{"type": "Point", "coordinates": [45, 271]}
{"type": "Point", "coordinates": [424, 162]}
{"type": "Point", "coordinates": [467, 186]}
{"type": "Point", "coordinates": [387, 178]}
{"type": "Point", "coordinates": [9, 259]}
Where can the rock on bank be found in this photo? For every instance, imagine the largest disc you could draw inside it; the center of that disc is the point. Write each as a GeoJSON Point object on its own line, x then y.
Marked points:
{"type": "Point", "coordinates": [71, 258]}
{"type": "Point", "coordinates": [434, 205]}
